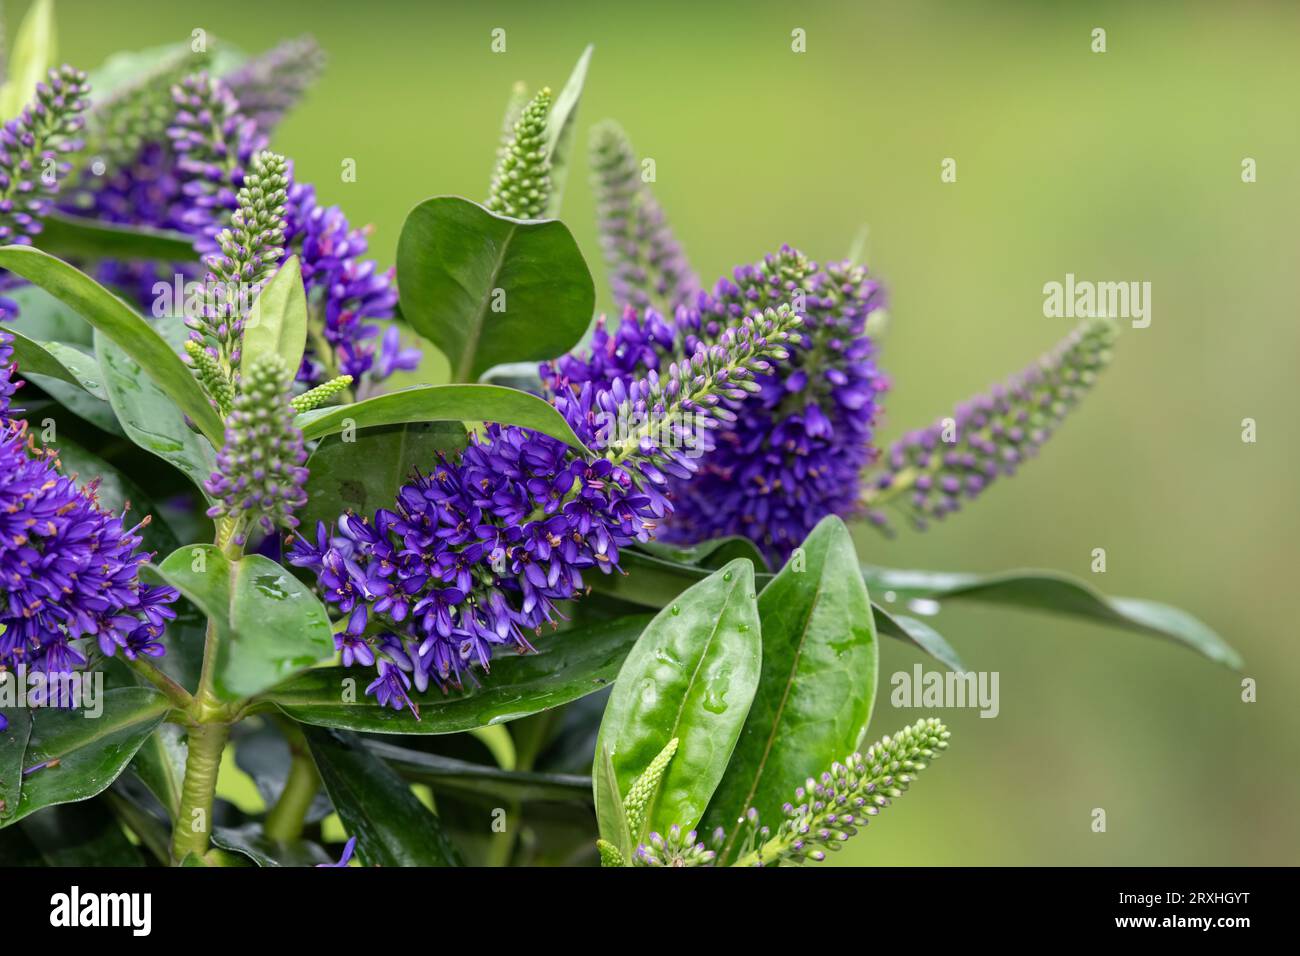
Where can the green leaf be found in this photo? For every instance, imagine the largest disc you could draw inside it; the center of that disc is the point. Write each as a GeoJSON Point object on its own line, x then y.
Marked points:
{"type": "Point", "coordinates": [456, 262]}
{"type": "Point", "coordinates": [653, 580]}
{"type": "Point", "coordinates": [75, 237]}
{"type": "Point", "coordinates": [43, 318]}
{"type": "Point", "coordinates": [376, 806]}
{"type": "Point", "coordinates": [818, 683]}
{"type": "Point", "coordinates": [1057, 594]}
{"type": "Point", "coordinates": [565, 667]}
{"type": "Point", "coordinates": [461, 776]}
{"type": "Point", "coordinates": [266, 852]}
{"type": "Point", "coordinates": [56, 360]}
{"type": "Point", "coordinates": [32, 55]}
{"type": "Point", "coordinates": [363, 475]}
{"type": "Point", "coordinates": [711, 554]}
{"type": "Point", "coordinates": [442, 403]}
{"type": "Point", "coordinates": [13, 748]}
{"type": "Point", "coordinates": [277, 322]}
{"type": "Point", "coordinates": [86, 835]}
{"type": "Point", "coordinates": [160, 765]}
{"type": "Point", "coordinates": [560, 127]}
{"type": "Point", "coordinates": [692, 676]}
{"type": "Point", "coordinates": [149, 416]}
{"type": "Point", "coordinates": [269, 625]}
{"type": "Point", "coordinates": [119, 322]}
{"type": "Point", "coordinates": [79, 755]}
{"type": "Point", "coordinates": [611, 816]}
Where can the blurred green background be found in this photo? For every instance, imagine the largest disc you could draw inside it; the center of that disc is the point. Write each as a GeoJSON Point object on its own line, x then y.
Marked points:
{"type": "Point", "coordinates": [1117, 166]}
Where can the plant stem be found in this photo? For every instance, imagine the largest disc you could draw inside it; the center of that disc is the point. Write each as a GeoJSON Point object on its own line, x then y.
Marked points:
{"type": "Point", "coordinates": [193, 826]}
{"type": "Point", "coordinates": [177, 694]}
{"type": "Point", "coordinates": [286, 819]}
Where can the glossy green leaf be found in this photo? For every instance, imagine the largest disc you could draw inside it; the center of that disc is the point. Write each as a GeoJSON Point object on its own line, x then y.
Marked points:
{"type": "Point", "coordinates": [362, 475]}
{"type": "Point", "coordinates": [1057, 594]}
{"type": "Point", "coordinates": [56, 360]}
{"type": "Point", "coordinates": [13, 749]}
{"type": "Point", "coordinates": [653, 580]}
{"type": "Point", "coordinates": [80, 756]}
{"type": "Point", "coordinates": [486, 289]}
{"type": "Point", "coordinates": [442, 403]}
{"type": "Point", "coordinates": [269, 625]}
{"type": "Point", "coordinates": [565, 667]}
{"type": "Point", "coordinates": [85, 835]}
{"type": "Point", "coordinates": [277, 321]}
{"type": "Point", "coordinates": [561, 125]}
{"type": "Point", "coordinates": [818, 683]}
{"type": "Point", "coordinates": [711, 554]}
{"type": "Point", "coordinates": [75, 237]}
{"type": "Point", "coordinates": [72, 398]}
{"type": "Point", "coordinates": [249, 840]}
{"type": "Point", "coordinates": [462, 776]}
{"type": "Point", "coordinates": [119, 322]}
{"type": "Point", "coordinates": [692, 676]}
{"type": "Point", "coordinates": [160, 765]}
{"type": "Point", "coordinates": [376, 805]}
{"type": "Point", "coordinates": [149, 416]}
{"type": "Point", "coordinates": [43, 318]}
{"type": "Point", "coordinates": [611, 815]}
{"type": "Point", "coordinates": [32, 54]}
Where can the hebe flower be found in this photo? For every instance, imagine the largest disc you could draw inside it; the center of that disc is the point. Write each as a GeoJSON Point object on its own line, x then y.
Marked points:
{"type": "Point", "coordinates": [477, 552]}
{"type": "Point", "coordinates": [260, 475]}
{"type": "Point", "coordinates": [675, 848]}
{"type": "Point", "coordinates": [267, 86]}
{"type": "Point", "coordinates": [33, 147]}
{"type": "Point", "coordinates": [69, 571]}
{"type": "Point", "coordinates": [796, 451]}
{"type": "Point", "coordinates": [647, 267]}
{"type": "Point", "coordinates": [928, 473]}
{"type": "Point", "coordinates": [522, 181]}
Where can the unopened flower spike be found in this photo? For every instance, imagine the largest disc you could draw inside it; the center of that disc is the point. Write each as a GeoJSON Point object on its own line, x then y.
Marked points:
{"type": "Point", "coordinates": [270, 84]}
{"type": "Point", "coordinates": [211, 376]}
{"type": "Point", "coordinates": [647, 266]}
{"type": "Point", "coordinates": [33, 150]}
{"type": "Point", "coordinates": [478, 552]}
{"type": "Point", "coordinates": [826, 811]}
{"type": "Point", "coordinates": [677, 847]}
{"type": "Point", "coordinates": [522, 182]}
{"type": "Point", "coordinates": [928, 474]}
{"type": "Point", "coordinates": [645, 787]}
{"type": "Point", "coordinates": [609, 854]}
{"type": "Point", "coordinates": [321, 394]}
{"type": "Point", "coordinates": [260, 475]}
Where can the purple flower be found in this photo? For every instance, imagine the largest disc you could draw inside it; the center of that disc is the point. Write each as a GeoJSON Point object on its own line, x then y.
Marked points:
{"type": "Point", "coordinates": [69, 571]}
{"type": "Point", "coordinates": [343, 860]}
{"type": "Point", "coordinates": [795, 450]}
{"type": "Point", "coordinates": [267, 86]}
{"type": "Point", "coordinates": [478, 552]}
{"type": "Point", "coordinates": [929, 473]}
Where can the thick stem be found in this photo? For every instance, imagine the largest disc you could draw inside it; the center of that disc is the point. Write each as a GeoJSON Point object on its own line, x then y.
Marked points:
{"type": "Point", "coordinates": [193, 826]}
{"type": "Point", "coordinates": [286, 819]}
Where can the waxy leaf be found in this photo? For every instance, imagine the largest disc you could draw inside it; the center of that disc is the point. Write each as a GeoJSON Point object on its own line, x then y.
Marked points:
{"type": "Point", "coordinates": [119, 322]}
{"type": "Point", "coordinates": [31, 56]}
{"type": "Point", "coordinates": [74, 757]}
{"type": "Point", "coordinates": [692, 676]}
{"type": "Point", "coordinates": [1058, 594]}
{"type": "Point", "coordinates": [376, 806]}
{"type": "Point", "coordinates": [277, 321]}
{"type": "Point", "coordinates": [149, 416]}
{"type": "Point", "coordinates": [561, 124]}
{"type": "Point", "coordinates": [266, 852]}
{"type": "Point", "coordinates": [160, 765]}
{"type": "Point", "coordinates": [17, 729]}
{"type": "Point", "coordinates": [611, 815]}
{"type": "Point", "coordinates": [462, 776]}
{"type": "Point", "coordinates": [74, 237]}
{"type": "Point", "coordinates": [363, 475]}
{"type": "Point", "coordinates": [64, 362]}
{"type": "Point", "coordinates": [86, 835]}
{"type": "Point", "coordinates": [487, 290]}
{"type": "Point", "coordinates": [442, 403]}
{"type": "Point", "coordinates": [269, 625]}
{"type": "Point", "coordinates": [820, 660]}
{"type": "Point", "coordinates": [565, 667]}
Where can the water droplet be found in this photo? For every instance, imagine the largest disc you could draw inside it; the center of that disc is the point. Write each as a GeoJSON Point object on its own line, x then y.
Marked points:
{"type": "Point", "coordinates": [744, 629]}
{"type": "Point", "coordinates": [727, 576]}
{"type": "Point", "coordinates": [676, 610]}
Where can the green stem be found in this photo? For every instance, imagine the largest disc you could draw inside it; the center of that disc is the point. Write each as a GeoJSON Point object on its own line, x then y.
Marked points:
{"type": "Point", "coordinates": [193, 827]}
{"type": "Point", "coordinates": [177, 694]}
{"type": "Point", "coordinates": [285, 821]}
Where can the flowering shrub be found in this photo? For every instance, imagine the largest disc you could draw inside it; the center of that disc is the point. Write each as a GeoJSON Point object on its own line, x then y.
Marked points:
{"type": "Point", "coordinates": [316, 565]}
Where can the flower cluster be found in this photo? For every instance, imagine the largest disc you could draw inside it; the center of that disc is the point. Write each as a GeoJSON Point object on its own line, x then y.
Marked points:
{"type": "Point", "coordinates": [930, 472]}
{"type": "Point", "coordinates": [68, 570]}
{"type": "Point", "coordinates": [675, 848]}
{"type": "Point", "coordinates": [647, 266]}
{"type": "Point", "coordinates": [475, 553]}
{"type": "Point", "coordinates": [522, 181]}
{"type": "Point", "coordinates": [269, 85]}
{"type": "Point", "coordinates": [33, 149]}
{"type": "Point", "coordinates": [797, 448]}
{"type": "Point", "coordinates": [260, 474]}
